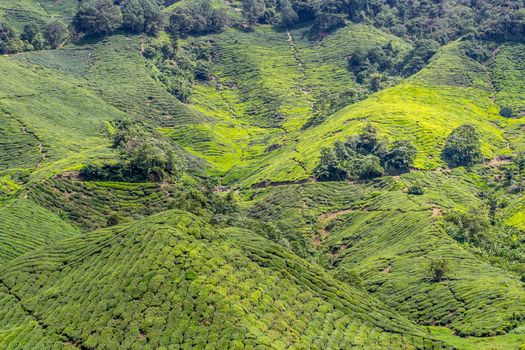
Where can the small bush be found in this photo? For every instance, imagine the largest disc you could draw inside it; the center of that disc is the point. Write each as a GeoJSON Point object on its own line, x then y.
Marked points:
{"type": "Point", "coordinates": [437, 269]}
{"type": "Point", "coordinates": [506, 112]}
{"type": "Point", "coordinates": [416, 190]}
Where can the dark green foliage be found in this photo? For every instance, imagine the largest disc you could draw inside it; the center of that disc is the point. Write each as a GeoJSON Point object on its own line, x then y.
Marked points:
{"type": "Point", "coordinates": [469, 227]}
{"type": "Point", "coordinates": [419, 56]}
{"type": "Point", "coordinates": [55, 33]}
{"type": "Point", "coordinates": [141, 16]}
{"type": "Point", "coordinates": [506, 112]}
{"type": "Point", "coordinates": [333, 13]}
{"type": "Point", "coordinates": [29, 32]}
{"type": "Point", "coordinates": [416, 190]}
{"type": "Point", "coordinates": [114, 219]}
{"type": "Point", "coordinates": [288, 15]}
{"type": "Point", "coordinates": [97, 17]}
{"type": "Point", "coordinates": [438, 269]}
{"type": "Point", "coordinates": [463, 147]}
{"type": "Point", "coordinates": [365, 156]}
{"type": "Point", "coordinates": [252, 11]}
{"type": "Point", "coordinates": [8, 42]}
{"type": "Point", "coordinates": [178, 68]}
{"type": "Point", "coordinates": [144, 156]}
{"type": "Point", "coordinates": [400, 157]}
{"type": "Point", "coordinates": [199, 17]}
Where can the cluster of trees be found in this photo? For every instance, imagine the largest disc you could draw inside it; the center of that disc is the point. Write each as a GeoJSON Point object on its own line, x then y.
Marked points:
{"type": "Point", "coordinates": [380, 66]}
{"type": "Point", "coordinates": [199, 17]}
{"type": "Point", "coordinates": [417, 19]}
{"type": "Point", "coordinates": [365, 156]}
{"type": "Point", "coordinates": [179, 68]}
{"type": "Point", "coordinates": [32, 37]}
{"type": "Point", "coordinates": [96, 17]}
{"type": "Point", "coordinates": [144, 156]}
{"type": "Point", "coordinates": [463, 147]}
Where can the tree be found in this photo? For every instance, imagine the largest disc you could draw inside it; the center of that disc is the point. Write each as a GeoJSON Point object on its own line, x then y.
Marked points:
{"type": "Point", "coordinates": [7, 36]}
{"type": "Point", "coordinates": [492, 205]}
{"type": "Point", "coordinates": [519, 162]}
{"type": "Point", "coordinates": [437, 269]}
{"type": "Point", "coordinates": [252, 10]}
{"type": "Point", "coordinates": [288, 15]}
{"type": "Point", "coordinates": [400, 157]}
{"type": "Point", "coordinates": [198, 17]}
{"type": "Point", "coordinates": [29, 33]}
{"type": "Point", "coordinates": [463, 147]}
{"type": "Point", "coordinates": [141, 16]}
{"type": "Point", "coordinates": [367, 167]}
{"type": "Point", "coordinates": [55, 33]}
{"type": "Point", "coordinates": [97, 17]}
{"type": "Point", "coordinates": [329, 168]}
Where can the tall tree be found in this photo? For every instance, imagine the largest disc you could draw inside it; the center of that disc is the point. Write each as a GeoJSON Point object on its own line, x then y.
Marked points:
{"type": "Point", "coordinates": [55, 33]}
{"type": "Point", "coordinates": [253, 10]}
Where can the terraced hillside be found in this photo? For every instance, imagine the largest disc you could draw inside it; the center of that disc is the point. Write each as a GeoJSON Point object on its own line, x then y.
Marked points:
{"type": "Point", "coordinates": [162, 185]}
{"type": "Point", "coordinates": [172, 270]}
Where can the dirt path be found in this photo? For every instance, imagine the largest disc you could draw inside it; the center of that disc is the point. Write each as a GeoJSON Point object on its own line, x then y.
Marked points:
{"type": "Point", "coordinates": [302, 69]}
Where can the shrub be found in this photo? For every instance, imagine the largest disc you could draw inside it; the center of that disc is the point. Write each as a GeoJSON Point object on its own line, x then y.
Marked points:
{"type": "Point", "coordinates": [506, 112]}
{"type": "Point", "coordinates": [416, 190]}
{"type": "Point", "coordinates": [114, 219]}
{"type": "Point", "coordinates": [463, 147]}
{"type": "Point", "coordinates": [437, 269]}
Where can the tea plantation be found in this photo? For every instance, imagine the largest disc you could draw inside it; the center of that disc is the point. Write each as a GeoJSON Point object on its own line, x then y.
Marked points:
{"type": "Point", "coordinates": [248, 174]}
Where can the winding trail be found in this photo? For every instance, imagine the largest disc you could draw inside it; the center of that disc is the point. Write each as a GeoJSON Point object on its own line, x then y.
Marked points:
{"type": "Point", "coordinates": [302, 69]}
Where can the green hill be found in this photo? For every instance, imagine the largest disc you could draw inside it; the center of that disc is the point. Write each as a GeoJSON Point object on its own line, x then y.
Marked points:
{"type": "Point", "coordinates": [297, 174]}
{"type": "Point", "coordinates": [135, 287]}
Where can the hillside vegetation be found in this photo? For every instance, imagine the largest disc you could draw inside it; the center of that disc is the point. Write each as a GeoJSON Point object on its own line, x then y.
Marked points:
{"type": "Point", "coordinates": [249, 174]}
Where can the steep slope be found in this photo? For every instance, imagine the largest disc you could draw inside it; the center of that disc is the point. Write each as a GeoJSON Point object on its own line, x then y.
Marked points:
{"type": "Point", "coordinates": [425, 108]}
{"type": "Point", "coordinates": [57, 117]}
{"type": "Point", "coordinates": [26, 226]}
{"type": "Point", "coordinates": [388, 238]}
{"type": "Point", "coordinates": [170, 281]}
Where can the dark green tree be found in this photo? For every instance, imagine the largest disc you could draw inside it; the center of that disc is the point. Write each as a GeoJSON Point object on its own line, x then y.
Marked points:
{"type": "Point", "coordinates": [506, 112]}
{"type": "Point", "coordinates": [288, 15]}
{"type": "Point", "coordinates": [252, 10]}
{"type": "Point", "coordinates": [7, 36]}
{"type": "Point", "coordinates": [463, 147]}
{"type": "Point", "coordinates": [367, 167]}
{"type": "Point", "coordinates": [29, 33]}
{"type": "Point", "coordinates": [97, 17]}
{"type": "Point", "coordinates": [400, 157]}
{"type": "Point", "coordinates": [141, 16]}
{"type": "Point", "coordinates": [55, 33]}
{"type": "Point", "coordinates": [437, 269]}
{"type": "Point", "coordinates": [330, 167]}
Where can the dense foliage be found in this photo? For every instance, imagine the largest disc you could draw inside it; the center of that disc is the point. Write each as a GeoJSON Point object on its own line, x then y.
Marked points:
{"type": "Point", "coordinates": [365, 156]}
{"type": "Point", "coordinates": [144, 156]}
{"type": "Point", "coordinates": [463, 147]}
